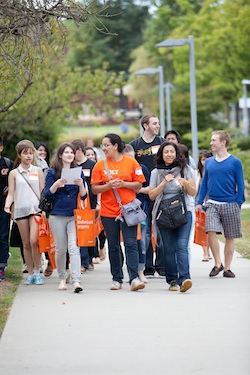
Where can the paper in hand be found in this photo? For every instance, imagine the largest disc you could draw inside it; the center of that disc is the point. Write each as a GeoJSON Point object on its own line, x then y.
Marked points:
{"type": "Point", "coordinates": [71, 174]}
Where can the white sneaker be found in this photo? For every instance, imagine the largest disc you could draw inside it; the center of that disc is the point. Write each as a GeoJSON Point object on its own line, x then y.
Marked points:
{"type": "Point", "coordinates": [62, 285]}
{"type": "Point", "coordinates": [136, 284]}
{"type": "Point", "coordinates": [142, 277]}
{"type": "Point", "coordinates": [116, 285]}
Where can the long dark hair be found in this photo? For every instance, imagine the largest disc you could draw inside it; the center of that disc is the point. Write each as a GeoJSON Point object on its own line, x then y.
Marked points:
{"type": "Point", "coordinates": [116, 139]}
{"type": "Point", "coordinates": [203, 153]}
{"type": "Point", "coordinates": [179, 161]}
{"type": "Point", "coordinates": [57, 160]}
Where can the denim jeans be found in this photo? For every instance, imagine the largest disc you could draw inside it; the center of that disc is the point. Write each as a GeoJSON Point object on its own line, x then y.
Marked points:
{"type": "Point", "coordinates": [4, 238]}
{"type": "Point", "coordinates": [159, 259]}
{"type": "Point", "coordinates": [142, 247]}
{"type": "Point", "coordinates": [87, 254]}
{"type": "Point", "coordinates": [112, 229]}
{"type": "Point", "coordinates": [175, 245]}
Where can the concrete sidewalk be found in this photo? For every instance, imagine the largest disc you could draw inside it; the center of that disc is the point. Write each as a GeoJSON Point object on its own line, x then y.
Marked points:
{"type": "Point", "coordinates": [153, 331]}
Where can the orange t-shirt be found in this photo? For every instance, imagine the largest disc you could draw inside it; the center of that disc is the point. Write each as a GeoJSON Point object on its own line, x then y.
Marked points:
{"type": "Point", "coordinates": [127, 169]}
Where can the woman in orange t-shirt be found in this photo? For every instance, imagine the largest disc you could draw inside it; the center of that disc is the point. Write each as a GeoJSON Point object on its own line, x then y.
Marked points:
{"type": "Point", "coordinates": [127, 178]}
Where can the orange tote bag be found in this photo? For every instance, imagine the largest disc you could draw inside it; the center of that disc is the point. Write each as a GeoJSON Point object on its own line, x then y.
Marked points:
{"type": "Point", "coordinates": [200, 236]}
{"type": "Point", "coordinates": [46, 243]}
{"type": "Point", "coordinates": [86, 223]}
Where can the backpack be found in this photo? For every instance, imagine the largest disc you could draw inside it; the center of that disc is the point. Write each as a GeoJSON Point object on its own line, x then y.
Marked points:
{"type": "Point", "coordinates": [8, 162]}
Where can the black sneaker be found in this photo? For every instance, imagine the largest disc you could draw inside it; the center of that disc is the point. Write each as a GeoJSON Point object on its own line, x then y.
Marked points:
{"type": "Point", "coordinates": [149, 272]}
{"type": "Point", "coordinates": [161, 272]}
{"type": "Point", "coordinates": [216, 270]}
{"type": "Point", "coordinates": [228, 273]}
{"type": "Point", "coordinates": [174, 287]}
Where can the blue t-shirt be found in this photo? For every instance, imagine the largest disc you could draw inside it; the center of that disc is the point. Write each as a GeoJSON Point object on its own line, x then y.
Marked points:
{"type": "Point", "coordinates": [223, 181]}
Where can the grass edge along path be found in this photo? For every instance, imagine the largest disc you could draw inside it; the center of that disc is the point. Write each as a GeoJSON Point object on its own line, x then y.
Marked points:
{"type": "Point", "coordinates": [8, 287]}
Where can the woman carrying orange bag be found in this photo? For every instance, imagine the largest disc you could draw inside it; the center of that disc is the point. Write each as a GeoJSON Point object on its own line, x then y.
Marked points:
{"type": "Point", "coordinates": [61, 218]}
{"type": "Point", "coordinates": [204, 154]}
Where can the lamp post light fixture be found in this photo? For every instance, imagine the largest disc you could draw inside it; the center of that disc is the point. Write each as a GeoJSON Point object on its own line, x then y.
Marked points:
{"type": "Point", "coordinates": [190, 42]}
{"type": "Point", "coordinates": [159, 70]}
{"type": "Point", "coordinates": [245, 82]}
{"type": "Point", "coordinates": [168, 86]}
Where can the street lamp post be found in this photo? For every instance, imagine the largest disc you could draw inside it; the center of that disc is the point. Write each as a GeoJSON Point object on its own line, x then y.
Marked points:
{"type": "Point", "coordinates": [158, 70]}
{"type": "Point", "coordinates": [190, 42]}
{"type": "Point", "coordinates": [245, 82]}
{"type": "Point", "coordinates": [168, 87]}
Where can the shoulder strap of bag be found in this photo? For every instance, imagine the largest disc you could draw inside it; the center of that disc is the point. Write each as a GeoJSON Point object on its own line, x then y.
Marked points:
{"type": "Point", "coordinates": [119, 217]}
{"type": "Point", "coordinates": [29, 185]}
{"type": "Point", "coordinates": [109, 176]}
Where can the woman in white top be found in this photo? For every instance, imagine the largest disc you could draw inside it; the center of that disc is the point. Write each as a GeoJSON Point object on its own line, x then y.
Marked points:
{"type": "Point", "coordinates": [26, 182]}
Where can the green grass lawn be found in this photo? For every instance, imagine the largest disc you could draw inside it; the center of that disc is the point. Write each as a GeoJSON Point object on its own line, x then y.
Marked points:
{"type": "Point", "coordinates": [97, 132]}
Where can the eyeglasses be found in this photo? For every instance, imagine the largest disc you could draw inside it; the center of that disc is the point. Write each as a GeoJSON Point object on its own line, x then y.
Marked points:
{"type": "Point", "coordinates": [106, 145]}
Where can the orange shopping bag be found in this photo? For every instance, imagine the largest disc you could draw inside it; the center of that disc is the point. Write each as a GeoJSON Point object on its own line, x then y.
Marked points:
{"type": "Point", "coordinates": [200, 236]}
{"type": "Point", "coordinates": [87, 224]}
{"type": "Point", "coordinates": [46, 243]}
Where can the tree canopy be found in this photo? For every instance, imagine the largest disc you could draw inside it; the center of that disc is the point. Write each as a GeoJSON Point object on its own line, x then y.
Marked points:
{"type": "Point", "coordinates": [29, 31]}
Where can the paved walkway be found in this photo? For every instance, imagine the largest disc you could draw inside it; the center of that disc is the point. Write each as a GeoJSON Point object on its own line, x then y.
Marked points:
{"type": "Point", "coordinates": [153, 331]}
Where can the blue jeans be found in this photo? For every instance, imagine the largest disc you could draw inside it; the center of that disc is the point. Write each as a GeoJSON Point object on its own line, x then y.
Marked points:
{"type": "Point", "coordinates": [175, 245]}
{"type": "Point", "coordinates": [4, 238]}
{"type": "Point", "coordinates": [112, 229]}
{"type": "Point", "coordinates": [142, 247]}
{"type": "Point", "coordinates": [159, 258]}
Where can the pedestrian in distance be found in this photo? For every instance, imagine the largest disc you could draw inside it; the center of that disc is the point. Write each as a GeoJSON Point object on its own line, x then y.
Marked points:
{"type": "Point", "coordinates": [61, 216]}
{"type": "Point", "coordinates": [175, 137]}
{"type": "Point", "coordinates": [223, 184]}
{"type": "Point", "coordinates": [129, 151]}
{"type": "Point", "coordinates": [87, 164]}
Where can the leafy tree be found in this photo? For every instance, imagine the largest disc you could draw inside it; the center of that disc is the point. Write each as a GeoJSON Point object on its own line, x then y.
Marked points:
{"type": "Point", "coordinates": [126, 27]}
{"type": "Point", "coordinates": [222, 36]}
{"type": "Point", "coordinates": [29, 31]}
{"type": "Point", "coordinates": [56, 101]}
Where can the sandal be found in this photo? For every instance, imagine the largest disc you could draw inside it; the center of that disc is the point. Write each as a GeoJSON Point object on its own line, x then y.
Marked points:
{"type": "Point", "coordinates": [48, 271]}
{"type": "Point", "coordinates": [102, 253]}
{"type": "Point", "coordinates": [205, 260]}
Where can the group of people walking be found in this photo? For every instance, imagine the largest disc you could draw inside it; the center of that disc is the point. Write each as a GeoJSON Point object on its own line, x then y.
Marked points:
{"type": "Point", "coordinates": [154, 169]}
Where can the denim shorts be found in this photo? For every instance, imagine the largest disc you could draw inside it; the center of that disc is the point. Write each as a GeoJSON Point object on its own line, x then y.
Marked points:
{"type": "Point", "coordinates": [224, 216]}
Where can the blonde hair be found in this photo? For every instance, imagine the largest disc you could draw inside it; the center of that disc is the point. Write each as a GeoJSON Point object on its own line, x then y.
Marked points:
{"type": "Point", "coordinates": [223, 136]}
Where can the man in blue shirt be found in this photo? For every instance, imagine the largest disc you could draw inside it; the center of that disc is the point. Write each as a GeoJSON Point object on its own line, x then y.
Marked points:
{"type": "Point", "coordinates": [223, 184]}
